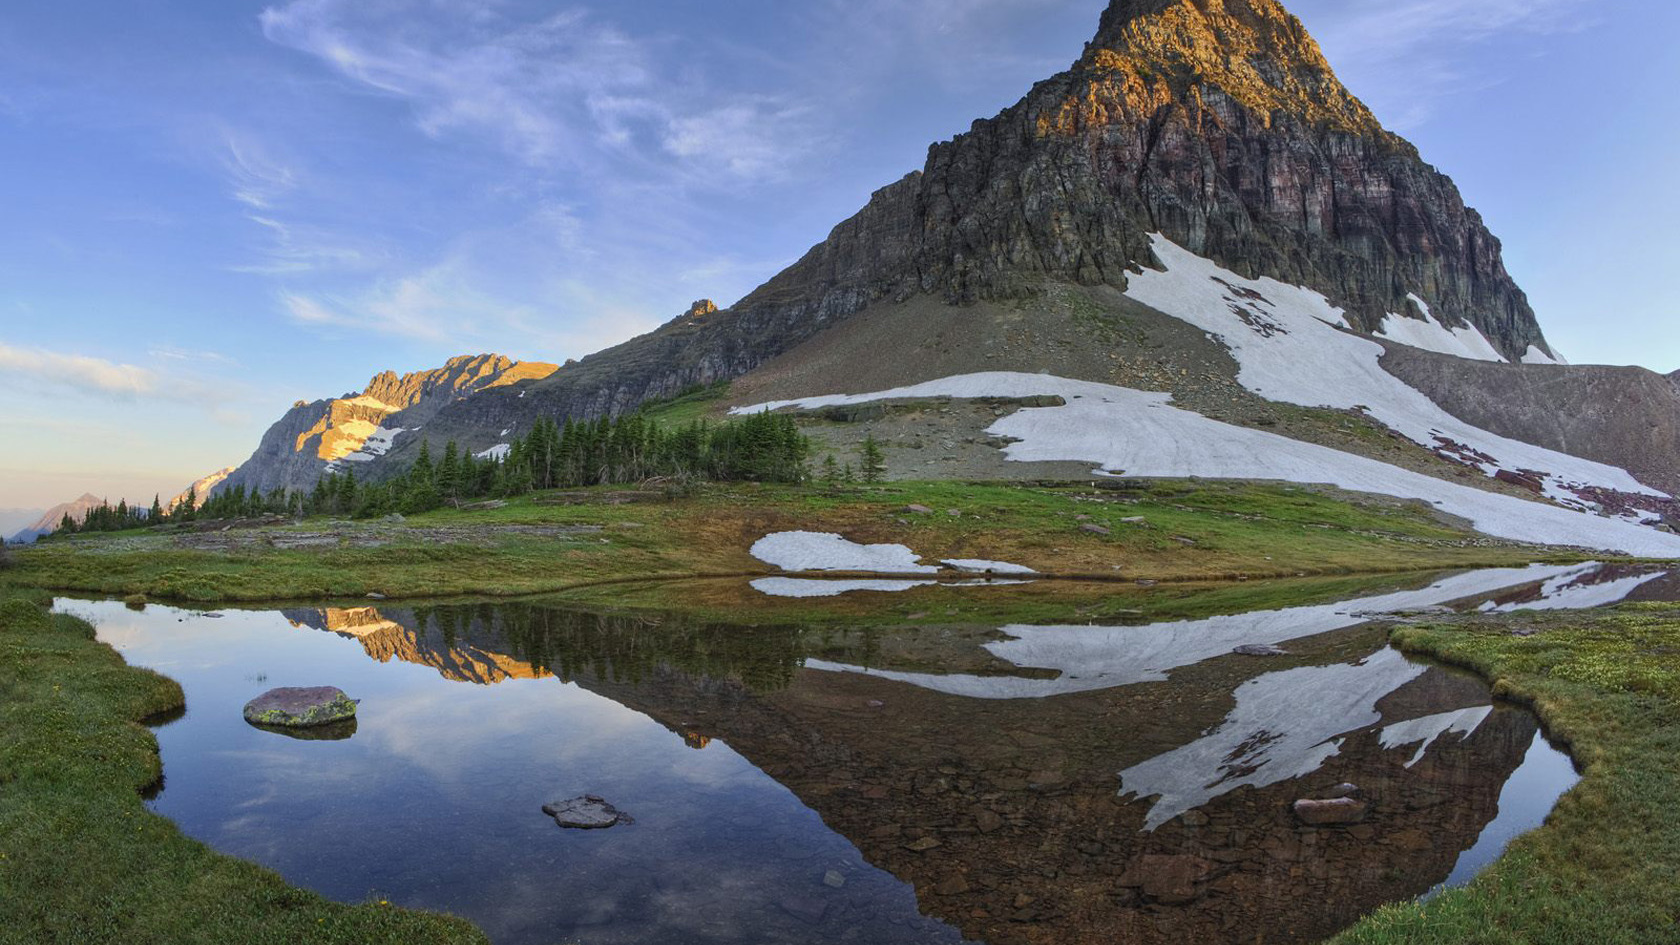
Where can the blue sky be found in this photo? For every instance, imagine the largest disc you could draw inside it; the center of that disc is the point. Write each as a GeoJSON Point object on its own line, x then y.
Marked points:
{"type": "Point", "coordinates": [214, 208]}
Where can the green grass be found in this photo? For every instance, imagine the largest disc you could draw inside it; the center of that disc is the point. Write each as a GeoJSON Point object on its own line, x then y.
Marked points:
{"type": "Point", "coordinates": [1190, 531]}
{"type": "Point", "coordinates": [1605, 869]}
{"type": "Point", "coordinates": [82, 862]}
{"type": "Point", "coordinates": [699, 403]}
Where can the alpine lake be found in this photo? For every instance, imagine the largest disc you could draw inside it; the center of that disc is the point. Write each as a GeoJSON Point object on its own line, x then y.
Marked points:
{"type": "Point", "coordinates": [895, 770]}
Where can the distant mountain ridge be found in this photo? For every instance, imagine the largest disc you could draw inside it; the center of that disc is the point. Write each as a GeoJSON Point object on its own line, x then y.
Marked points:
{"type": "Point", "coordinates": [313, 438]}
{"type": "Point", "coordinates": [49, 521]}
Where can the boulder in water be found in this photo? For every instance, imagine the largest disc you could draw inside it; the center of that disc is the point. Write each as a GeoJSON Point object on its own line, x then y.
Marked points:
{"type": "Point", "coordinates": [588, 812]}
{"type": "Point", "coordinates": [300, 708]}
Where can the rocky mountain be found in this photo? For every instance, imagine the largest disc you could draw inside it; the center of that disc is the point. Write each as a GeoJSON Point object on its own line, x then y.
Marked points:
{"type": "Point", "coordinates": [1216, 124]}
{"type": "Point", "coordinates": [361, 426]}
{"type": "Point", "coordinates": [1195, 213]}
{"type": "Point", "coordinates": [49, 520]}
{"type": "Point", "coordinates": [200, 490]}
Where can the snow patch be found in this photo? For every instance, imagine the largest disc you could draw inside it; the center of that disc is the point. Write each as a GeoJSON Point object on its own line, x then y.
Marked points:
{"type": "Point", "coordinates": [1429, 334]}
{"type": "Point", "coordinates": [1137, 433]}
{"type": "Point", "coordinates": [822, 551]}
{"type": "Point", "coordinates": [379, 441]}
{"type": "Point", "coordinates": [1286, 342]}
{"type": "Point", "coordinates": [498, 452]}
{"type": "Point", "coordinates": [1536, 356]}
{"type": "Point", "coordinates": [982, 565]}
{"type": "Point", "coordinates": [815, 587]}
{"type": "Point", "coordinates": [1429, 729]}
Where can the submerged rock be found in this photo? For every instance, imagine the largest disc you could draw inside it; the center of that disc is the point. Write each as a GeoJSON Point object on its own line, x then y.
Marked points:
{"type": "Point", "coordinates": [588, 812]}
{"type": "Point", "coordinates": [1341, 810]}
{"type": "Point", "coordinates": [300, 708]}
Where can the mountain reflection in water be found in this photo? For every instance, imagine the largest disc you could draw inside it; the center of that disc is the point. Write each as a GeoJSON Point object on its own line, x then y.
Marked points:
{"type": "Point", "coordinates": [790, 784]}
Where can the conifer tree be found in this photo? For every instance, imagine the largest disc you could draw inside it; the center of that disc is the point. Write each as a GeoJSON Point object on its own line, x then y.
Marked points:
{"type": "Point", "coordinates": [873, 462]}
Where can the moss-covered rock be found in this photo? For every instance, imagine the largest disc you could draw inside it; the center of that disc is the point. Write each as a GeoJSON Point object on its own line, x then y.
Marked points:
{"type": "Point", "coordinates": [300, 708]}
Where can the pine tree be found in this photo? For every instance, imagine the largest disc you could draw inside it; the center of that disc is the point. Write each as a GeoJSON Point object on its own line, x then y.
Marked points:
{"type": "Point", "coordinates": [830, 470]}
{"type": "Point", "coordinates": [449, 475]}
{"type": "Point", "coordinates": [155, 515]}
{"type": "Point", "coordinates": [873, 464]}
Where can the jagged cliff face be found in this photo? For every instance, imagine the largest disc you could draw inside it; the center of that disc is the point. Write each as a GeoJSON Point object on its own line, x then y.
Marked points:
{"type": "Point", "coordinates": [1217, 123]}
{"type": "Point", "coordinates": [357, 428]}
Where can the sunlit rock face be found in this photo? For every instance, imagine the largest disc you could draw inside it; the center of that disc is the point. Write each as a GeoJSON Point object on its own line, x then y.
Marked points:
{"type": "Point", "coordinates": [354, 430]}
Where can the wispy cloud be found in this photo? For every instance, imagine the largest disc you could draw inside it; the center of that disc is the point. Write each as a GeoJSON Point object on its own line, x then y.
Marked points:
{"type": "Point", "coordinates": [257, 178]}
{"type": "Point", "coordinates": [566, 88]}
{"type": "Point", "coordinates": [78, 372]}
{"type": "Point", "coordinates": [534, 86]}
{"type": "Point", "coordinates": [297, 248]}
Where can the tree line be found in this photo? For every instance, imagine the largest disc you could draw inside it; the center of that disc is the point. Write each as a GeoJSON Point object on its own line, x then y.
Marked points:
{"type": "Point", "coordinates": [633, 448]}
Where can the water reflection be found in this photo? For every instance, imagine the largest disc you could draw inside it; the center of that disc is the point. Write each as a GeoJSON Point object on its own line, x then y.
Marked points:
{"type": "Point", "coordinates": [811, 782]}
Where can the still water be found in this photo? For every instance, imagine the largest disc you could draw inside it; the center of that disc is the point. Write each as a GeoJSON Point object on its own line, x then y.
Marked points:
{"type": "Point", "coordinates": [843, 778]}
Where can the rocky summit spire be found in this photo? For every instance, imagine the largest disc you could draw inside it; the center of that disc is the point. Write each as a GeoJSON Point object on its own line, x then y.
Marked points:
{"type": "Point", "coordinates": [1217, 123]}
{"type": "Point", "coordinates": [1252, 50]}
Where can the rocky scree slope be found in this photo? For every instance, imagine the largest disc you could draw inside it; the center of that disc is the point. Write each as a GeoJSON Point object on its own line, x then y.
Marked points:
{"type": "Point", "coordinates": [358, 427]}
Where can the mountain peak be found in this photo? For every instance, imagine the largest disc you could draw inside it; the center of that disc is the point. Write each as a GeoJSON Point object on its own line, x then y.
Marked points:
{"type": "Point", "coordinates": [1253, 51]}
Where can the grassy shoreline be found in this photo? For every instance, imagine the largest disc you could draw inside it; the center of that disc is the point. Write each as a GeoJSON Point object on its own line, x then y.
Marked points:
{"type": "Point", "coordinates": [1605, 869]}
{"type": "Point", "coordinates": [1157, 531]}
{"type": "Point", "coordinates": [83, 862]}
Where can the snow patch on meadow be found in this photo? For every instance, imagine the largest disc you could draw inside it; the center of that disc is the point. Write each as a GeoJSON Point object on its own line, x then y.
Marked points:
{"type": "Point", "coordinates": [822, 551]}
{"type": "Point", "coordinates": [981, 565]}
{"type": "Point", "coordinates": [1140, 434]}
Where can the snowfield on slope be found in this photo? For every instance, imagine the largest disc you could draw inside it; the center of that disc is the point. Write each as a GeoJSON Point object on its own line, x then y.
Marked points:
{"type": "Point", "coordinates": [1137, 433]}
{"type": "Point", "coordinates": [1291, 346]}
{"type": "Point", "coordinates": [1430, 335]}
